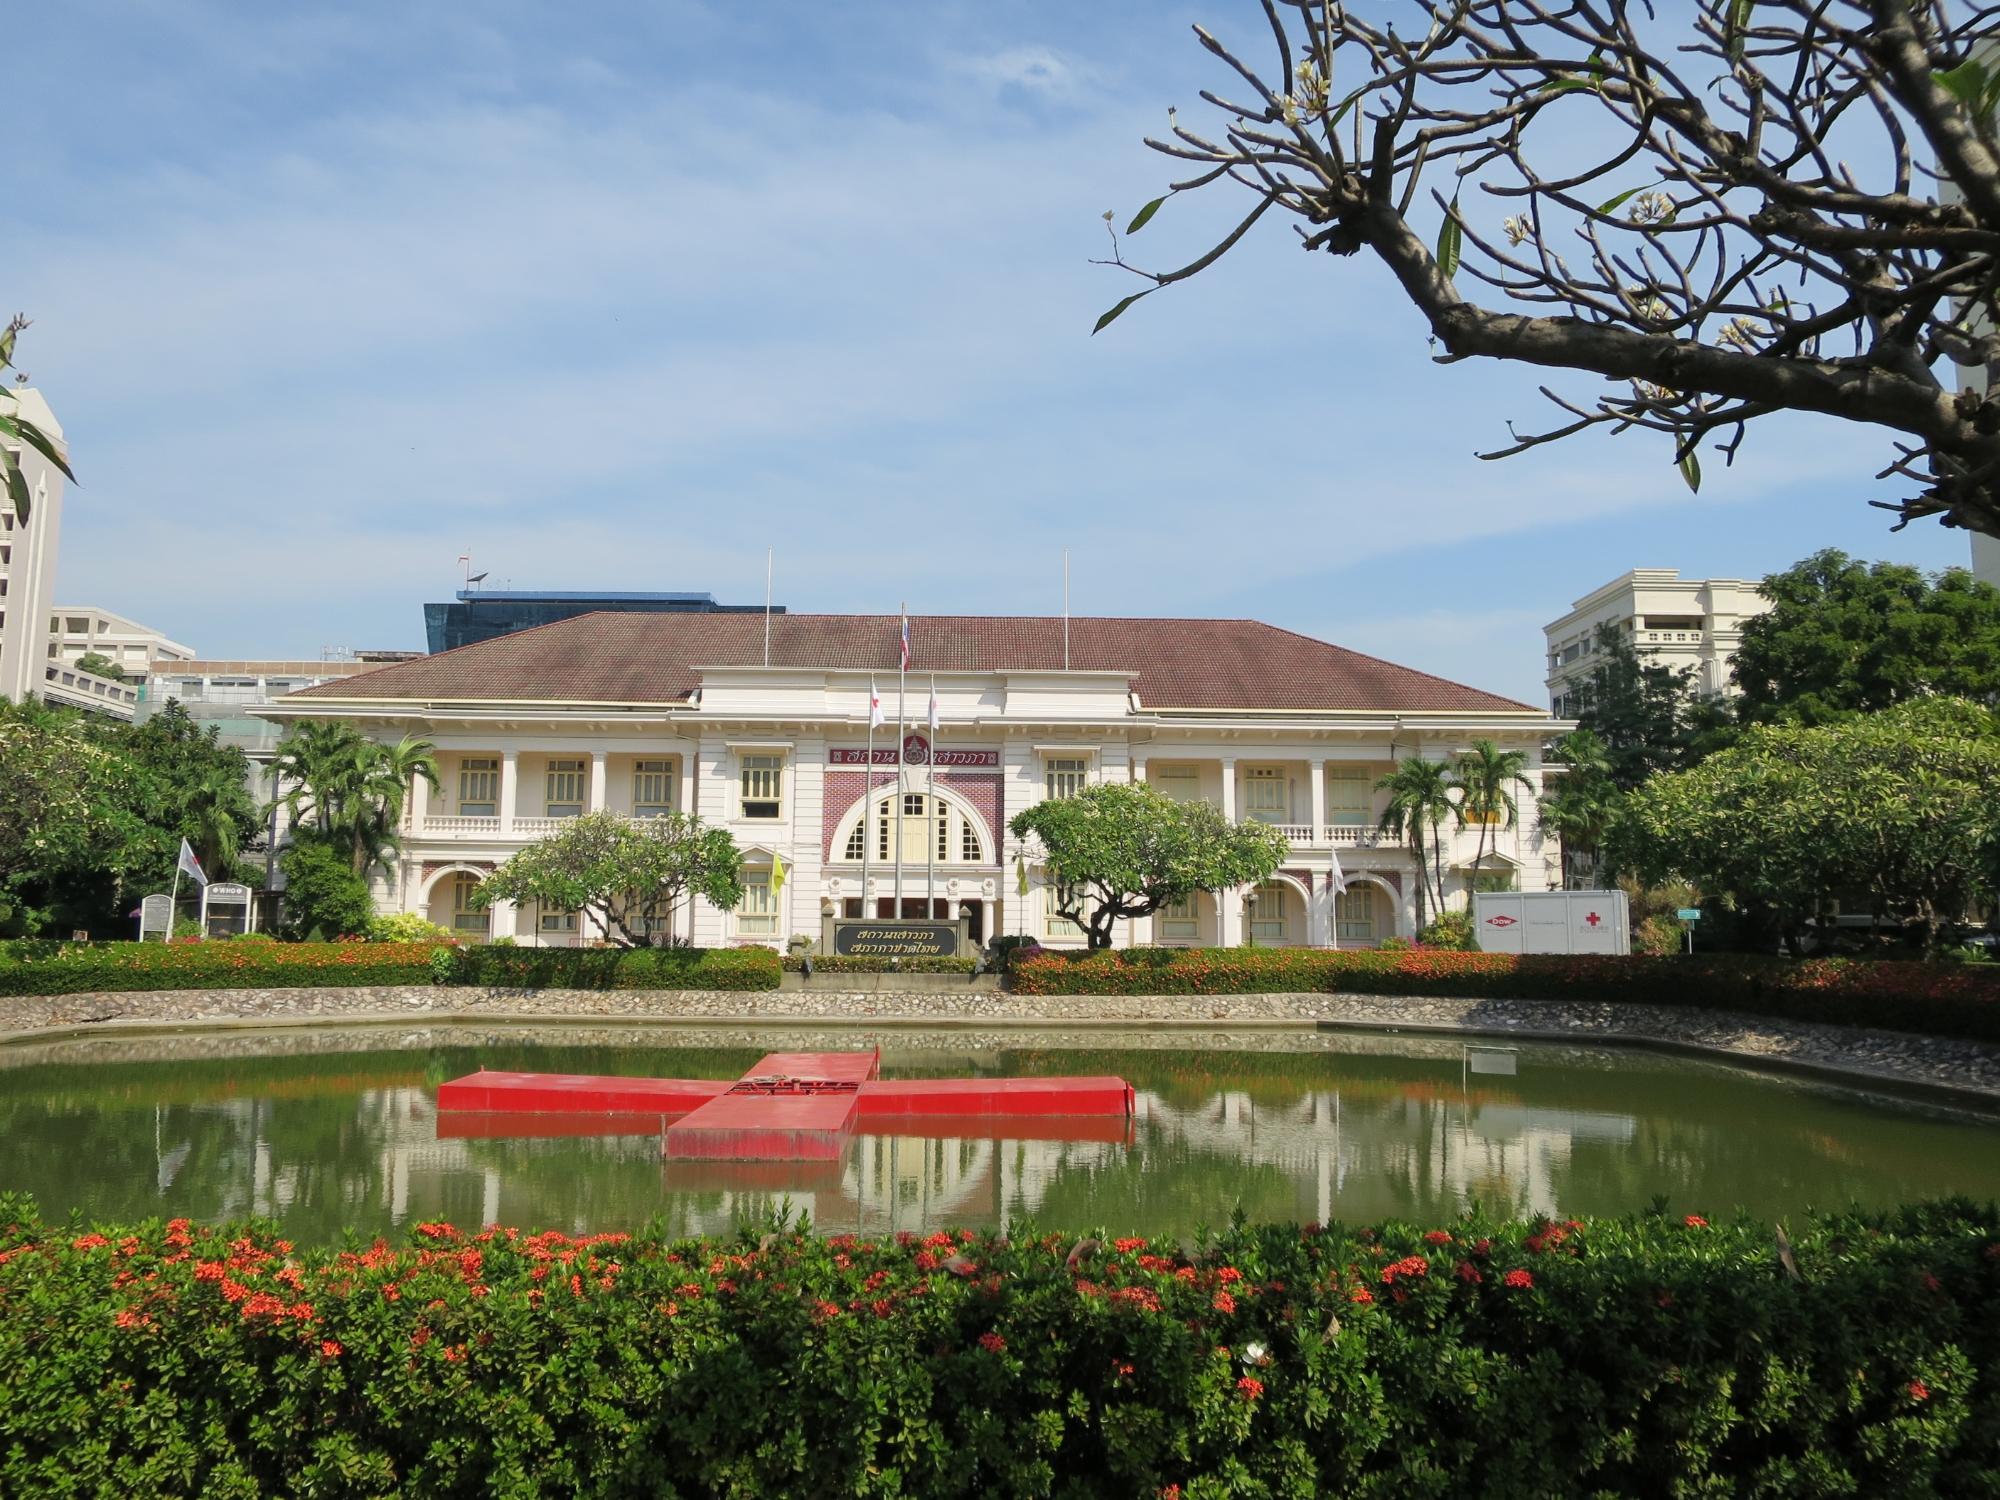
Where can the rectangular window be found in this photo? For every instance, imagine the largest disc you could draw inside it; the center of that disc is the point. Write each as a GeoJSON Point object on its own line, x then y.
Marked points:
{"type": "Point", "coordinates": [757, 913]}
{"type": "Point", "coordinates": [478, 786]}
{"type": "Point", "coordinates": [763, 781]}
{"type": "Point", "coordinates": [1182, 783]}
{"type": "Point", "coordinates": [1264, 794]}
{"type": "Point", "coordinates": [943, 835]}
{"type": "Point", "coordinates": [968, 841]}
{"type": "Point", "coordinates": [1348, 797]}
{"type": "Point", "coordinates": [1354, 914]}
{"type": "Point", "coordinates": [1177, 922]}
{"type": "Point", "coordinates": [1267, 915]}
{"type": "Point", "coordinates": [465, 917]}
{"type": "Point", "coordinates": [562, 795]}
{"type": "Point", "coordinates": [1065, 775]}
{"type": "Point", "coordinates": [1056, 926]}
{"type": "Point", "coordinates": [558, 921]}
{"type": "Point", "coordinates": [652, 788]}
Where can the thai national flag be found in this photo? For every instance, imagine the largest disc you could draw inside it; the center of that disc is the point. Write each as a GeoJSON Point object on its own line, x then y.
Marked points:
{"type": "Point", "coordinates": [906, 643]}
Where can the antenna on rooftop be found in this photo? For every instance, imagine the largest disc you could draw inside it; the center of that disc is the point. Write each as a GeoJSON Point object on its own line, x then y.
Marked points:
{"type": "Point", "coordinates": [465, 568]}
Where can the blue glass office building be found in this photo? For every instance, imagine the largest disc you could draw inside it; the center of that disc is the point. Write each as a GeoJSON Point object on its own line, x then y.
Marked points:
{"type": "Point", "coordinates": [480, 615]}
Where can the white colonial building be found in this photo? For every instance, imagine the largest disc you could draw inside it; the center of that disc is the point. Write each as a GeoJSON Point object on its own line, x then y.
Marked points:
{"type": "Point", "coordinates": [640, 714]}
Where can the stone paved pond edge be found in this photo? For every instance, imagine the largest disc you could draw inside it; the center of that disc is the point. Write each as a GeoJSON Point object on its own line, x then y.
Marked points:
{"type": "Point", "coordinates": [1966, 1072]}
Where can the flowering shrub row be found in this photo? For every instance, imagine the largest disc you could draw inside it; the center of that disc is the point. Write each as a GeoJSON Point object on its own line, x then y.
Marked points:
{"type": "Point", "coordinates": [1943, 999]}
{"type": "Point", "coordinates": [76, 968]}
{"type": "Point", "coordinates": [1639, 1356]}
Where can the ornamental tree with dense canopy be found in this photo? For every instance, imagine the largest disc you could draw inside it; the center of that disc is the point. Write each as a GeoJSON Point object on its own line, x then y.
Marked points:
{"type": "Point", "coordinates": [1124, 849]}
{"type": "Point", "coordinates": [1725, 210]}
{"type": "Point", "coordinates": [630, 874]}
{"type": "Point", "coordinates": [1843, 636]}
{"type": "Point", "coordinates": [1892, 810]}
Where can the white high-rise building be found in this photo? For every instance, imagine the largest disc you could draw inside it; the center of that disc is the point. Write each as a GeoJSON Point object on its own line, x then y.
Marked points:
{"type": "Point", "coordinates": [1669, 620]}
{"type": "Point", "coordinates": [28, 556]}
{"type": "Point", "coordinates": [80, 630]}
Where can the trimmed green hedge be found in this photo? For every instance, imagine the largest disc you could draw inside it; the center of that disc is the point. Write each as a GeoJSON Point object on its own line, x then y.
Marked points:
{"type": "Point", "coordinates": [79, 968]}
{"type": "Point", "coordinates": [619, 968]}
{"type": "Point", "coordinates": [1659, 1355]}
{"type": "Point", "coordinates": [1941, 999]}
{"type": "Point", "coordinates": [837, 963]}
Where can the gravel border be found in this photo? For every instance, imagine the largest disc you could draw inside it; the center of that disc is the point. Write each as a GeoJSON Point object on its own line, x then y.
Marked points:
{"type": "Point", "coordinates": [1970, 1071]}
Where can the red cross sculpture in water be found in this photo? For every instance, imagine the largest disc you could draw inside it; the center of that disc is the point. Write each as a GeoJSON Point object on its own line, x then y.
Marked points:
{"type": "Point", "coordinates": [790, 1106]}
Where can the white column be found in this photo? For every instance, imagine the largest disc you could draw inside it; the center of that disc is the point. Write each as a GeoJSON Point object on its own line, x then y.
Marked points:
{"type": "Point", "coordinates": [1229, 789]}
{"type": "Point", "coordinates": [420, 803]}
{"type": "Point", "coordinates": [1229, 906]}
{"type": "Point", "coordinates": [510, 782]}
{"type": "Point", "coordinates": [599, 780]}
{"type": "Point", "coordinates": [687, 797]}
{"type": "Point", "coordinates": [501, 919]}
{"type": "Point", "coordinates": [1317, 765]}
{"type": "Point", "coordinates": [1138, 765]}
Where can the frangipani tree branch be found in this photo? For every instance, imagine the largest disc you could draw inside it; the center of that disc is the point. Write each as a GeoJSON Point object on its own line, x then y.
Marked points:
{"type": "Point", "coordinates": [1715, 257]}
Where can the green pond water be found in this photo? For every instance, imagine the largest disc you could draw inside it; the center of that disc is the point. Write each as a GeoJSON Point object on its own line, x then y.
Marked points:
{"type": "Point", "coordinates": [327, 1130]}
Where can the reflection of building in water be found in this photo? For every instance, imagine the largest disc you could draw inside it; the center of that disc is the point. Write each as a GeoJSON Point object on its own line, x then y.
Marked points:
{"type": "Point", "coordinates": [1367, 1151]}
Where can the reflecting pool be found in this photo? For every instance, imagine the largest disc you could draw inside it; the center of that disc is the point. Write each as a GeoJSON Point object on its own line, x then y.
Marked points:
{"type": "Point", "coordinates": [333, 1128]}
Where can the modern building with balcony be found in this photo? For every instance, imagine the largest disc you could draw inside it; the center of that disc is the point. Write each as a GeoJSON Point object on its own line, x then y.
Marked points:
{"type": "Point", "coordinates": [80, 630]}
{"type": "Point", "coordinates": [1667, 619]}
{"type": "Point", "coordinates": [639, 714]}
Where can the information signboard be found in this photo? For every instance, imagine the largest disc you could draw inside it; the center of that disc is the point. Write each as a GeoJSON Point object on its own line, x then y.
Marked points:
{"type": "Point", "coordinates": [156, 918]}
{"type": "Point", "coordinates": [225, 909]}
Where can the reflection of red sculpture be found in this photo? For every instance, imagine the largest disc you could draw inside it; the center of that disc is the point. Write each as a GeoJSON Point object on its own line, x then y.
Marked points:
{"type": "Point", "coordinates": [791, 1106]}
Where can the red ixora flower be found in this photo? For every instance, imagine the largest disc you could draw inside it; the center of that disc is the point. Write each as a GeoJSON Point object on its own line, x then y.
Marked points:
{"type": "Point", "coordinates": [1468, 1272]}
{"type": "Point", "coordinates": [1695, 1221]}
{"type": "Point", "coordinates": [89, 1242]}
{"type": "Point", "coordinates": [992, 1343]}
{"type": "Point", "coordinates": [330, 1349]}
{"type": "Point", "coordinates": [1251, 1387]}
{"type": "Point", "coordinates": [1128, 1244]}
{"type": "Point", "coordinates": [1224, 1303]}
{"type": "Point", "coordinates": [1518, 1278]}
{"type": "Point", "coordinates": [1919, 1391]}
{"type": "Point", "coordinates": [1438, 1237]}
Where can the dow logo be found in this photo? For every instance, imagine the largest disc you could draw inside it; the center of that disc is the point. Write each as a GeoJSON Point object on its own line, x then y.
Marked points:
{"type": "Point", "coordinates": [1503, 920]}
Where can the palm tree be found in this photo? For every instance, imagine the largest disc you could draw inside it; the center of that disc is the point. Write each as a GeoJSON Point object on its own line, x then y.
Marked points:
{"type": "Point", "coordinates": [351, 788]}
{"type": "Point", "coordinates": [1483, 778]}
{"type": "Point", "coordinates": [1419, 798]}
{"type": "Point", "coordinates": [1579, 806]}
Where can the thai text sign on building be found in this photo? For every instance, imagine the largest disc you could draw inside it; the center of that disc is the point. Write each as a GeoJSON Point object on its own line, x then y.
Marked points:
{"type": "Point", "coordinates": [916, 752]}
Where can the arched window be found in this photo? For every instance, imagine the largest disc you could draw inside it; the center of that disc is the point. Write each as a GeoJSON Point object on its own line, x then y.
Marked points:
{"type": "Point", "coordinates": [930, 827]}
{"type": "Point", "coordinates": [857, 842]}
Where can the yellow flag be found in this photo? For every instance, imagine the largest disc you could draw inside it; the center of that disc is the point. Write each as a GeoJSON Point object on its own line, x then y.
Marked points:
{"type": "Point", "coordinates": [777, 873]}
{"type": "Point", "coordinates": [1021, 875]}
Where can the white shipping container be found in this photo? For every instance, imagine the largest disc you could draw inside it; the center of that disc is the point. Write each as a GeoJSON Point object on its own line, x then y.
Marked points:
{"type": "Point", "coordinates": [1551, 922]}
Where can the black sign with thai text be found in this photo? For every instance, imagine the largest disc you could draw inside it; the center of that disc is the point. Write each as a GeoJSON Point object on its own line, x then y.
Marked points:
{"type": "Point", "coordinates": [865, 939]}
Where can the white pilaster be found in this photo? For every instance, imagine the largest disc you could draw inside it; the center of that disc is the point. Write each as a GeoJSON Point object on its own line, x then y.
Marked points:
{"type": "Point", "coordinates": [1138, 765]}
{"type": "Point", "coordinates": [510, 783]}
{"type": "Point", "coordinates": [600, 780]}
{"type": "Point", "coordinates": [1228, 789]}
{"type": "Point", "coordinates": [420, 803]}
{"type": "Point", "coordinates": [501, 919]}
{"type": "Point", "coordinates": [1317, 766]}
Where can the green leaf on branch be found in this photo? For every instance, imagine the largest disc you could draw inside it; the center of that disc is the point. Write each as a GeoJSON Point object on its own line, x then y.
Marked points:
{"type": "Point", "coordinates": [1967, 83]}
{"type": "Point", "coordinates": [1451, 241]}
{"type": "Point", "coordinates": [1691, 470]}
{"type": "Point", "coordinates": [1739, 24]}
{"type": "Point", "coordinates": [1145, 215]}
{"type": "Point", "coordinates": [1107, 320]}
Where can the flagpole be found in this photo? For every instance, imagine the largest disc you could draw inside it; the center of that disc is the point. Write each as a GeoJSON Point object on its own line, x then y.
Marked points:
{"type": "Point", "coordinates": [902, 685]}
{"type": "Point", "coordinates": [769, 554]}
{"type": "Point", "coordinates": [867, 799]}
{"type": "Point", "coordinates": [930, 807]}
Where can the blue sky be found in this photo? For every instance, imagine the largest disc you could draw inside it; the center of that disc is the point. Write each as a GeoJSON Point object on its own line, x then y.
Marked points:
{"type": "Point", "coordinates": [620, 294]}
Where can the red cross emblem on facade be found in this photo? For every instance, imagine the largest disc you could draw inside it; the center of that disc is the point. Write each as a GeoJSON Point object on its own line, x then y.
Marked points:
{"type": "Point", "coordinates": [1593, 919]}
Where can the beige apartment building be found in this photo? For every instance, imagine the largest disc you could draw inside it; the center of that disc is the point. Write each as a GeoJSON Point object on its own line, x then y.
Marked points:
{"type": "Point", "coordinates": [80, 630]}
{"type": "Point", "coordinates": [1675, 621]}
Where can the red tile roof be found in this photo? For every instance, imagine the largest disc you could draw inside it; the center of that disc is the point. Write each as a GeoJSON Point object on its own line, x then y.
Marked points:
{"type": "Point", "coordinates": [1198, 664]}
